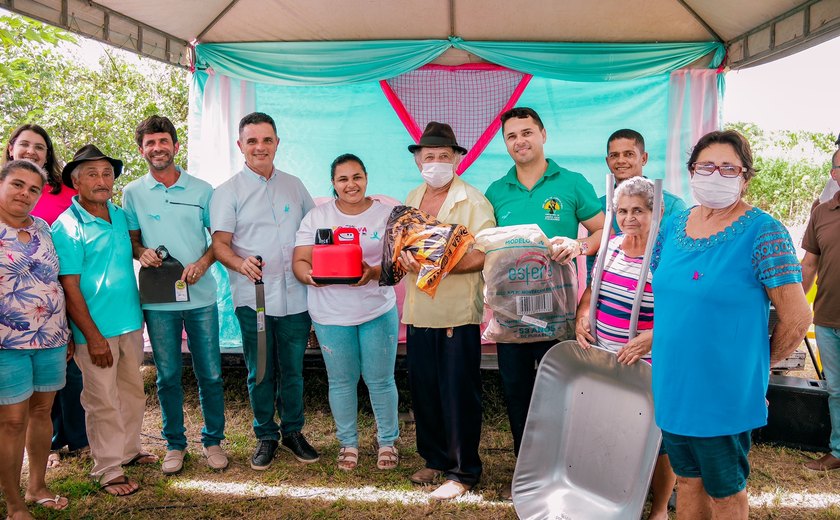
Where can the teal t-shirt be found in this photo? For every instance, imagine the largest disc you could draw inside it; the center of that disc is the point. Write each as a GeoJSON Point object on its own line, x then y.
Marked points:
{"type": "Point", "coordinates": [100, 253]}
{"type": "Point", "coordinates": [711, 349]}
{"type": "Point", "coordinates": [176, 217]}
{"type": "Point", "coordinates": [557, 203]}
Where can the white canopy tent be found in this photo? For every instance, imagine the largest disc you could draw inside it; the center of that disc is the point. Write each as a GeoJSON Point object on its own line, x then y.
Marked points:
{"type": "Point", "coordinates": [754, 31]}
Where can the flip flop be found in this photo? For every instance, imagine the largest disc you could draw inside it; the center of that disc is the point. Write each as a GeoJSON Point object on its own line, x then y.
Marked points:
{"type": "Point", "coordinates": [50, 500]}
{"type": "Point", "coordinates": [142, 458]}
{"type": "Point", "coordinates": [119, 481]}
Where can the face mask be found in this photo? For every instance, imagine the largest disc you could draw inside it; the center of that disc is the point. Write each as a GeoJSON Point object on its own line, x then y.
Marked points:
{"type": "Point", "coordinates": [715, 191]}
{"type": "Point", "coordinates": [438, 175]}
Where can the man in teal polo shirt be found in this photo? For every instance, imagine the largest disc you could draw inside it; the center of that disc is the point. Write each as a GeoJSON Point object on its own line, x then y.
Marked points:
{"type": "Point", "coordinates": [168, 207]}
{"type": "Point", "coordinates": [97, 273]}
{"type": "Point", "coordinates": [538, 191]}
{"type": "Point", "coordinates": [626, 157]}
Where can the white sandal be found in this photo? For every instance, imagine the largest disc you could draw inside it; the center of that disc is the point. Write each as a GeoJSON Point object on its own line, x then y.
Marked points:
{"type": "Point", "coordinates": [348, 458]}
{"type": "Point", "coordinates": [388, 458]}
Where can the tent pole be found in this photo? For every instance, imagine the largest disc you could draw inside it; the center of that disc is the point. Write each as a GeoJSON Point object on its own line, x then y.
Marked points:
{"type": "Point", "coordinates": [216, 19]}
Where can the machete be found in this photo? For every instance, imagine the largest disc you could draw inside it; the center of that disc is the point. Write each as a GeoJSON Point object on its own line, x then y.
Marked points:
{"type": "Point", "coordinates": [259, 287]}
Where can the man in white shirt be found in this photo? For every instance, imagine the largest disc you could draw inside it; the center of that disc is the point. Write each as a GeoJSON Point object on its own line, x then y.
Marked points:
{"type": "Point", "coordinates": [257, 213]}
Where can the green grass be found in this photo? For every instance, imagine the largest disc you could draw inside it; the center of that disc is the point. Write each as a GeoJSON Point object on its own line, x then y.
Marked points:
{"type": "Point", "coordinates": [194, 494]}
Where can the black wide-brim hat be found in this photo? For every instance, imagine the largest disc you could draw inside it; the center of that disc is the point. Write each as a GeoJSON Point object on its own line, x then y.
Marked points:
{"type": "Point", "coordinates": [86, 153]}
{"type": "Point", "coordinates": [437, 135]}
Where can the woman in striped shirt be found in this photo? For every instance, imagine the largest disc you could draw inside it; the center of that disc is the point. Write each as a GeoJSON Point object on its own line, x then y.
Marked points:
{"type": "Point", "coordinates": [633, 203]}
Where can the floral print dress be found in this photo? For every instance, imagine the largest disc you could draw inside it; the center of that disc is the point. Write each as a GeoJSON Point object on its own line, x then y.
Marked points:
{"type": "Point", "coordinates": [32, 307]}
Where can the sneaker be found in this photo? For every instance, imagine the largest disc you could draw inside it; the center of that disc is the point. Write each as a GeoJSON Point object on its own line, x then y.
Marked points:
{"type": "Point", "coordinates": [296, 443]}
{"type": "Point", "coordinates": [263, 455]}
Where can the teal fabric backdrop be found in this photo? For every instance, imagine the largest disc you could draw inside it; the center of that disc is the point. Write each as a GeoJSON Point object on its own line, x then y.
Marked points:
{"type": "Point", "coordinates": [326, 100]}
{"type": "Point", "coordinates": [342, 62]}
{"type": "Point", "coordinates": [316, 124]}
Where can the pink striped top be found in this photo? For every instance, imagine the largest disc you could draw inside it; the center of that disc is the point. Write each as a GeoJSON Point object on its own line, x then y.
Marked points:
{"type": "Point", "coordinates": [615, 301]}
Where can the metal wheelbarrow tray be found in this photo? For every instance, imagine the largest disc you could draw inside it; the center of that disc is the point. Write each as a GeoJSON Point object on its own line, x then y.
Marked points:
{"type": "Point", "coordinates": [590, 443]}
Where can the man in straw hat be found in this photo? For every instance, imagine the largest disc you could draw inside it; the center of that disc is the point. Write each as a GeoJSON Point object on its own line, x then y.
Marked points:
{"type": "Point", "coordinates": [97, 273]}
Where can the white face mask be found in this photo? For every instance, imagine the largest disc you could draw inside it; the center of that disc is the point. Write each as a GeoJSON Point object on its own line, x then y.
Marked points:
{"type": "Point", "coordinates": [437, 174]}
{"type": "Point", "coordinates": [715, 191]}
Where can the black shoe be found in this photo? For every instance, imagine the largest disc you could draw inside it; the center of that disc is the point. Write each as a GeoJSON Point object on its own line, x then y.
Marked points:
{"type": "Point", "coordinates": [296, 443]}
{"type": "Point", "coordinates": [263, 455]}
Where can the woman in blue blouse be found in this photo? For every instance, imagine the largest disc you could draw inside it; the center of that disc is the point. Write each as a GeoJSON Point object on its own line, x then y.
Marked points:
{"type": "Point", "coordinates": [718, 265]}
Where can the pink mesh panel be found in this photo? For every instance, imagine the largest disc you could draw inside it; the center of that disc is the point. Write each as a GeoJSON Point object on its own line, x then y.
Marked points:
{"type": "Point", "coordinates": [468, 97]}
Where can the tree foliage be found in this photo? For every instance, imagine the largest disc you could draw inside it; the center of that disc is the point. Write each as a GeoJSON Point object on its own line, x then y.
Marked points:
{"type": "Point", "coordinates": [46, 84]}
{"type": "Point", "coordinates": [792, 166]}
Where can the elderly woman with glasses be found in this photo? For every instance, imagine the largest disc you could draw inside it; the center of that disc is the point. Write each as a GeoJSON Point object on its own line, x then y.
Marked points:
{"type": "Point", "coordinates": [633, 205]}
{"type": "Point", "coordinates": [32, 143]}
{"type": "Point", "coordinates": [717, 267]}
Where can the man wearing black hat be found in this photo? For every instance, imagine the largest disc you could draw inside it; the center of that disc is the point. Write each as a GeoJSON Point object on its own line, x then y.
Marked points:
{"type": "Point", "coordinates": [443, 342]}
{"type": "Point", "coordinates": [97, 273]}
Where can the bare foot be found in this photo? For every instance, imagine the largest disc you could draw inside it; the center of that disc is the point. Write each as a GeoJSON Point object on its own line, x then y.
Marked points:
{"type": "Point", "coordinates": [53, 460]}
{"type": "Point", "coordinates": [19, 515]}
{"type": "Point", "coordinates": [120, 486]}
{"type": "Point", "coordinates": [143, 457]}
{"type": "Point", "coordinates": [660, 515]}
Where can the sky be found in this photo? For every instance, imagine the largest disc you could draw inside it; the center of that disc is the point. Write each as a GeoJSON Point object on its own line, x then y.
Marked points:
{"type": "Point", "coordinates": [799, 92]}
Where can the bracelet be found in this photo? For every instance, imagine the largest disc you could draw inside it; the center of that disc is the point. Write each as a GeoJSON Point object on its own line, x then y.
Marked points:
{"type": "Point", "coordinates": [584, 247]}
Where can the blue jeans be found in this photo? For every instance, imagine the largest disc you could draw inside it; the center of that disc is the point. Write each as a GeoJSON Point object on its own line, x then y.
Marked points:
{"type": "Point", "coordinates": [202, 326]}
{"type": "Point", "coordinates": [281, 390]}
{"type": "Point", "coordinates": [368, 350]}
{"type": "Point", "coordinates": [68, 416]}
{"type": "Point", "coordinates": [828, 341]}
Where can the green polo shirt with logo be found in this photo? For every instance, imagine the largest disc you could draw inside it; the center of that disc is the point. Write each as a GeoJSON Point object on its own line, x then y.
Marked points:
{"type": "Point", "coordinates": [558, 202]}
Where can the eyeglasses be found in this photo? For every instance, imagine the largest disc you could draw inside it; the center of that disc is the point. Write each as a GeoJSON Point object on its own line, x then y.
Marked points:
{"type": "Point", "coordinates": [836, 167]}
{"type": "Point", "coordinates": [725, 170]}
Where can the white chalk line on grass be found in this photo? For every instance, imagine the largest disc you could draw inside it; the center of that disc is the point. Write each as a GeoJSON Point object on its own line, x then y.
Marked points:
{"type": "Point", "coordinates": [360, 494]}
{"type": "Point", "coordinates": [798, 500]}
{"type": "Point", "coordinates": [373, 494]}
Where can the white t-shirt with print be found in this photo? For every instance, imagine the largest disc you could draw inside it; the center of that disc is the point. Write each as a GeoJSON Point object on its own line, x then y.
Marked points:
{"type": "Point", "coordinates": [342, 304]}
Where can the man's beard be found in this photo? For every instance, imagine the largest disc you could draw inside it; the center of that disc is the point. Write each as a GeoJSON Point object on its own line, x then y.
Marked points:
{"type": "Point", "coordinates": [160, 165]}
